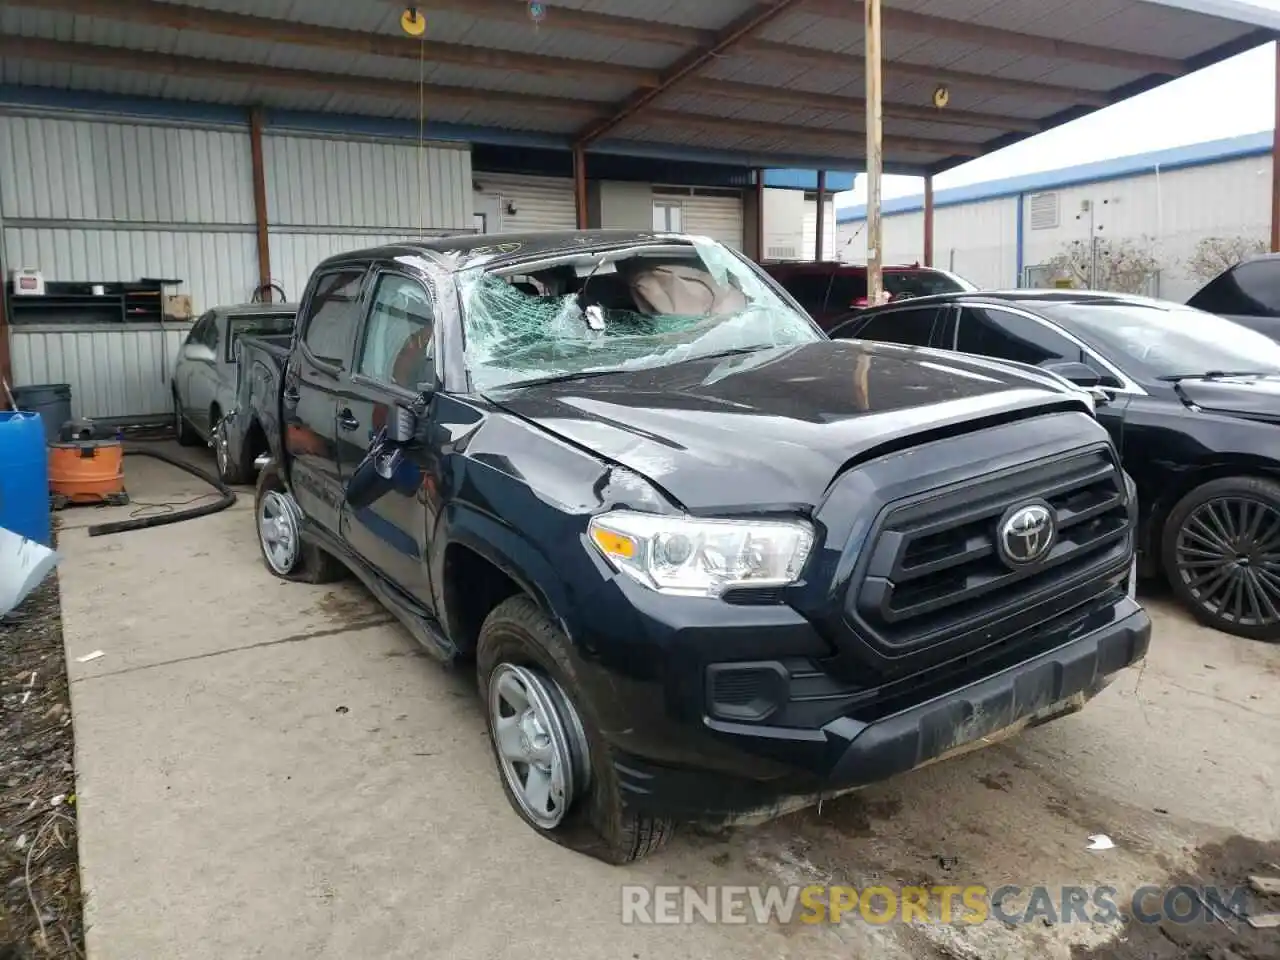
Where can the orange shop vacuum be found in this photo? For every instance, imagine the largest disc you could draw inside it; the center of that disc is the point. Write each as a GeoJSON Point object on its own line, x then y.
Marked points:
{"type": "Point", "coordinates": [84, 469]}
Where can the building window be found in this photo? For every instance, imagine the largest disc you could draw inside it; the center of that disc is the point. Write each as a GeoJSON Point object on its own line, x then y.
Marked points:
{"type": "Point", "coordinates": [668, 217]}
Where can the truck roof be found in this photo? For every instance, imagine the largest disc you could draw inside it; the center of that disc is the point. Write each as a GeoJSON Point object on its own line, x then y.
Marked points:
{"type": "Point", "coordinates": [497, 248]}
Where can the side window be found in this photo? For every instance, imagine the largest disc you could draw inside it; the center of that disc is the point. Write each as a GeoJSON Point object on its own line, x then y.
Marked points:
{"type": "Point", "coordinates": [332, 315]}
{"type": "Point", "coordinates": [399, 347]}
{"type": "Point", "coordinates": [809, 289]}
{"type": "Point", "coordinates": [911, 328]}
{"type": "Point", "coordinates": [209, 336]}
{"type": "Point", "coordinates": [848, 290]}
{"type": "Point", "coordinates": [200, 328]}
{"type": "Point", "coordinates": [992, 332]}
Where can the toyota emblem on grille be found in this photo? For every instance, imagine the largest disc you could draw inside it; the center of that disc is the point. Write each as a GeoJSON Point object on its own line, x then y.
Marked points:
{"type": "Point", "coordinates": [1027, 533]}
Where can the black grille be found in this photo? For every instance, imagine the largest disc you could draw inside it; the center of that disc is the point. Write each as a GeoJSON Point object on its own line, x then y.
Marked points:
{"type": "Point", "coordinates": [935, 571]}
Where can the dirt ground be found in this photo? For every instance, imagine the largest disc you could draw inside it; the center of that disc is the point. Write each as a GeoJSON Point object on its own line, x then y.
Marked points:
{"type": "Point", "coordinates": [40, 909]}
{"type": "Point", "coordinates": [273, 769]}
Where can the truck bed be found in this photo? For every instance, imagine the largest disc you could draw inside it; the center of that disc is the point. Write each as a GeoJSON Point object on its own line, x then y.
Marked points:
{"type": "Point", "coordinates": [262, 360]}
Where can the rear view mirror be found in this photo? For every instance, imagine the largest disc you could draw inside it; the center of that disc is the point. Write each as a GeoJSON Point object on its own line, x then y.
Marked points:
{"type": "Point", "coordinates": [1081, 374]}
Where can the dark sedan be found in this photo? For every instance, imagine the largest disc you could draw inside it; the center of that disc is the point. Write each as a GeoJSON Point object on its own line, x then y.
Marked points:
{"type": "Point", "coordinates": [1192, 401]}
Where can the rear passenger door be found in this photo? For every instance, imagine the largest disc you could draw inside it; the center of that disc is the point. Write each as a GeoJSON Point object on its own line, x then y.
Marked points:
{"type": "Point", "coordinates": [313, 377]}
{"type": "Point", "coordinates": [394, 359]}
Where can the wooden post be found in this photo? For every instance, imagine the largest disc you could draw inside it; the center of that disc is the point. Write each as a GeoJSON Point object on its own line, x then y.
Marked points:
{"type": "Point", "coordinates": [260, 202]}
{"type": "Point", "coordinates": [580, 185]}
{"type": "Point", "coordinates": [822, 215]}
{"type": "Point", "coordinates": [928, 219]}
{"type": "Point", "coordinates": [875, 252]}
{"type": "Point", "coordinates": [760, 215]}
{"type": "Point", "coordinates": [1275, 165]}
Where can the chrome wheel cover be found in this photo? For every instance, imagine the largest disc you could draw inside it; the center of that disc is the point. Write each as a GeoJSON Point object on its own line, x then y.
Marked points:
{"type": "Point", "coordinates": [278, 531]}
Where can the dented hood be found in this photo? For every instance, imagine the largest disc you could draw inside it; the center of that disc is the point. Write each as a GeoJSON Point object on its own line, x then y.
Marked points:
{"type": "Point", "coordinates": [771, 430]}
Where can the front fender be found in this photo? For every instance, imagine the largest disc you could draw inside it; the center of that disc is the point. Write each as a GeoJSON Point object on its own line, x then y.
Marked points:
{"type": "Point", "coordinates": [507, 549]}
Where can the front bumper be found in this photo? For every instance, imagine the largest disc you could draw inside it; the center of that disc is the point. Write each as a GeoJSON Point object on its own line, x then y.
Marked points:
{"type": "Point", "coordinates": [847, 752]}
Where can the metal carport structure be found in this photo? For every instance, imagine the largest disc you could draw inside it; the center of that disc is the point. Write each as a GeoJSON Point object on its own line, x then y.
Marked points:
{"type": "Point", "coordinates": [756, 84]}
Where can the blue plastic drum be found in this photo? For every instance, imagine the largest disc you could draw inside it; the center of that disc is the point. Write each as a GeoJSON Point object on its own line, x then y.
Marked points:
{"type": "Point", "coordinates": [24, 477]}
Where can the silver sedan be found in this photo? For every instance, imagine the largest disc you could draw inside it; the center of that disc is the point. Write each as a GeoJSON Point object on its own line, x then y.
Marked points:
{"type": "Point", "coordinates": [204, 378]}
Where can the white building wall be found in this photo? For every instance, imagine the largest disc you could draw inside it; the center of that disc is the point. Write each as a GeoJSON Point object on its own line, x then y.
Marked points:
{"type": "Point", "coordinates": [1166, 216]}
{"type": "Point", "coordinates": [976, 240]}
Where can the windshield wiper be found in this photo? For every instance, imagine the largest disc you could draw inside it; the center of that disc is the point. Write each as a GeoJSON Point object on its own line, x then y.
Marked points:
{"type": "Point", "coordinates": [558, 378]}
{"type": "Point", "coordinates": [1218, 375]}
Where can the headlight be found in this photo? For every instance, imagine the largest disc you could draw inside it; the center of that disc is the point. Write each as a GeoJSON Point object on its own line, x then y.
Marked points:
{"type": "Point", "coordinates": [702, 558]}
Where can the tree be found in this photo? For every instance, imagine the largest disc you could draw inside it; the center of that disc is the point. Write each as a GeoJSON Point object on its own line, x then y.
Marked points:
{"type": "Point", "coordinates": [1123, 266]}
{"type": "Point", "coordinates": [1215, 255]}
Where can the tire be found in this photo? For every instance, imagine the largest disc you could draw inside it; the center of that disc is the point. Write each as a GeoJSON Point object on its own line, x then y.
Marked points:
{"type": "Point", "coordinates": [518, 641]}
{"type": "Point", "coordinates": [231, 467]}
{"type": "Point", "coordinates": [183, 430]}
{"type": "Point", "coordinates": [300, 562]}
{"type": "Point", "coordinates": [1221, 554]}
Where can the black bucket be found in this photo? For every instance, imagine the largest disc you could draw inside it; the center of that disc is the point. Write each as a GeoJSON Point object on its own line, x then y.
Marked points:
{"type": "Point", "coordinates": [51, 400]}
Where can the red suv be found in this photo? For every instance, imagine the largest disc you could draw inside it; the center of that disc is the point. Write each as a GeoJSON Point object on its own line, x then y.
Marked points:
{"type": "Point", "coordinates": [830, 292]}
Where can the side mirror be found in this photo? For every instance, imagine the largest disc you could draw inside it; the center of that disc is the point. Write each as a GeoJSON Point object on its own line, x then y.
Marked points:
{"type": "Point", "coordinates": [1100, 397]}
{"type": "Point", "coordinates": [1081, 374]}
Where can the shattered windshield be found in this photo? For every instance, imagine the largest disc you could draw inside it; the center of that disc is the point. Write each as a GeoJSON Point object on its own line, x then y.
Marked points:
{"type": "Point", "coordinates": [642, 306]}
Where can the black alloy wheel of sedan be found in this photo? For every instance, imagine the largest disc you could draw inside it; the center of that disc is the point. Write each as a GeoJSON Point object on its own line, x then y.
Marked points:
{"type": "Point", "coordinates": [1222, 555]}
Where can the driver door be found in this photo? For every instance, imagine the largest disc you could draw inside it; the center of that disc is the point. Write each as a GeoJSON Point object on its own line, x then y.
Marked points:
{"type": "Point", "coordinates": [395, 359]}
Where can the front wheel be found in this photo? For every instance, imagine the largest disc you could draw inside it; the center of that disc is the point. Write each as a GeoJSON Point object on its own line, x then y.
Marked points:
{"type": "Point", "coordinates": [555, 767]}
{"type": "Point", "coordinates": [279, 523]}
{"type": "Point", "coordinates": [1221, 553]}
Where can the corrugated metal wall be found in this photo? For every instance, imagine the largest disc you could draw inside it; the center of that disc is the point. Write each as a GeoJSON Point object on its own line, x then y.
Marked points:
{"type": "Point", "coordinates": [111, 200]}
{"type": "Point", "coordinates": [113, 372]}
{"type": "Point", "coordinates": [541, 203]}
{"type": "Point", "coordinates": [325, 196]}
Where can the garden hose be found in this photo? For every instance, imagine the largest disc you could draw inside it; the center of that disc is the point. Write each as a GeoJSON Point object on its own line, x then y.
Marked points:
{"type": "Point", "coordinates": [226, 497]}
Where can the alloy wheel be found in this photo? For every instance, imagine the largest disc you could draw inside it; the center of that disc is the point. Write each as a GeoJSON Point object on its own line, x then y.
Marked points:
{"type": "Point", "coordinates": [1228, 557]}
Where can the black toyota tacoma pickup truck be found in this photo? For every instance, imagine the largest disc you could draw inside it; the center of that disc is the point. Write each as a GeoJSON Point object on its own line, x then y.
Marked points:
{"type": "Point", "coordinates": [707, 563]}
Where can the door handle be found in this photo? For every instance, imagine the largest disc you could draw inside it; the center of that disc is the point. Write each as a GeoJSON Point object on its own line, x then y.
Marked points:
{"type": "Point", "coordinates": [291, 395]}
{"type": "Point", "coordinates": [347, 421]}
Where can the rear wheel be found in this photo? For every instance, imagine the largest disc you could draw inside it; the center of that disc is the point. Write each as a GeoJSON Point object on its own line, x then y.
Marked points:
{"type": "Point", "coordinates": [556, 769]}
{"type": "Point", "coordinates": [186, 435]}
{"type": "Point", "coordinates": [279, 524]}
{"type": "Point", "coordinates": [1221, 553]}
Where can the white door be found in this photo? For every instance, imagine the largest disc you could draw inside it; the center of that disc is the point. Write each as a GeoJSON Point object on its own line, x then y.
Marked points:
{"type": "Point", "coordinates": [486, 213]}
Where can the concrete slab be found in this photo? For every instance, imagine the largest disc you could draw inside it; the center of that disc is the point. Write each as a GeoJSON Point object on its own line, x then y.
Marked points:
{"type": "Point", "coordinates": [269, 769]}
